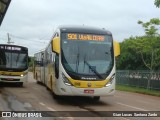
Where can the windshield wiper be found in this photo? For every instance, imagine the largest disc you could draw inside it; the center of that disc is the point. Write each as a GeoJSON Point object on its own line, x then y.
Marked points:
{"type": "Point", "coordinates": [77, 61]}
{"type": "Point", "coordinates": [17, 58]}
{"type": "Point", "coordinates": [93, 70]}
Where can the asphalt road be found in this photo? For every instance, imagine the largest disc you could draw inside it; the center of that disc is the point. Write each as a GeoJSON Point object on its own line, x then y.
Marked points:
{"type": "Point", "coordinates": [35, 97]}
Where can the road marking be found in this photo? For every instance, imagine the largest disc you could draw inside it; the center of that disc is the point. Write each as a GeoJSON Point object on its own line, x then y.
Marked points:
{"type": "Point", "coordinates": [41, 103]}
{"type": "Point", "coordinates": [125, 118]}
{"type": "Point", "coordinates": [132, 106]}
{"type": "Point", "coordinates": [47, 107]}
{"type": "Point", "coordinates": [36, 88]}
{"type": "Point", "coordinates": [136, 100]}
{"type": "Point", "coordinates": [142, 101]}
{"type": "Point", "coordinates": [51, 109]}
{"type": "Point", "coordinates": [69, 118]}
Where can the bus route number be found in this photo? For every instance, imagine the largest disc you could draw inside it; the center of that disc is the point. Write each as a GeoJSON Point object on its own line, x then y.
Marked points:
{"type": "Point", "coordinates": [72, 36]}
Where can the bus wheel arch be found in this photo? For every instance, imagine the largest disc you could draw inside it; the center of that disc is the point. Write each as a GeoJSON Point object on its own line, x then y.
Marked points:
{"type": "Point", "coordinates": [20, 84]}
{"type": "Point", "coordinates": [36, 76]}
{"type": "Point", "coordinates": [55, 96]}
{"type": "Point", "coordinates": [96, 98]}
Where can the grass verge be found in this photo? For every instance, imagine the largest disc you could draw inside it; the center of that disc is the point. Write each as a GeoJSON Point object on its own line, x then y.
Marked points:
{"type": "Point", "coordinates": [138, 90]}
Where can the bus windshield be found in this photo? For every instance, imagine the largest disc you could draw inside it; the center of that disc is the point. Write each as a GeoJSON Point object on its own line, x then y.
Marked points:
{"type": "Point", "coordinates": [14, 61]}
{"type": "Point", "coordinates": [87, 54]}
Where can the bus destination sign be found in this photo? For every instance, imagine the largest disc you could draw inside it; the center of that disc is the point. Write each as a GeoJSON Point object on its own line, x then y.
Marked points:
{"type": "Point", "coordinates": [73, 36]}
{"type": "Point", "coordinates": [10, 48]}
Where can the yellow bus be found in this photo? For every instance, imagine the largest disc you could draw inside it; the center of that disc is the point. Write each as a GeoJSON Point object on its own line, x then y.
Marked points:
{"type": "Point", "coordinates": [13, 64]}
{"type": "Point", "coordinates": [38, 67]}
{"type": "Point", "coordinates": [80, 61]}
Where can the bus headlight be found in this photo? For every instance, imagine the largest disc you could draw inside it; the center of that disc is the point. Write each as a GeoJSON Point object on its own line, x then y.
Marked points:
{"type": "Point", "coordinates": [22, 75]}
{"type": "Point", "coordinates": [66, 81]}
{"type": "Point", "coordinates": [110, 80]}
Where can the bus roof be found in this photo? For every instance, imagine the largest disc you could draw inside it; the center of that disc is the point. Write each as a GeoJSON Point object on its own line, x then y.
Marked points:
{"type": "Point", "coordinates": [40, 51]}
{"type": "Point", "coordinates": [13, 45]}
{"type": "Point", "coordinates": [84, 29]}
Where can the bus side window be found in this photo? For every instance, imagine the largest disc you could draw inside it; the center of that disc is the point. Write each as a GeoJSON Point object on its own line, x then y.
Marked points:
{"type": "Point", "coordinates": [2, 58]}
{"type": "Point", "coordinates": [42, 59]}
{"type": "Point", "coordinates": [57, 66]}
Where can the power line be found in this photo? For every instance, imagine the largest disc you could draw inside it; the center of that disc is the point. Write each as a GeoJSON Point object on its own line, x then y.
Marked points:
{"type": "Point", "coordinates": [27, 39]}
{"type": "Point", "coordinates": [9, 36]}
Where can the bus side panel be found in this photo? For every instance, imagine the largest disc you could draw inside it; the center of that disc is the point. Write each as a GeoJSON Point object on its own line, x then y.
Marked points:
{"type": "Point", "coordinates": [42, 74]}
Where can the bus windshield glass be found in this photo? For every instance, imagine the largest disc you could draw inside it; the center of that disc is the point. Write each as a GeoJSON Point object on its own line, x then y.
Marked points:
{"type": "Point", "coordinates": [87, 54]}
{"type": "Point", "coordinates": [14, 60]}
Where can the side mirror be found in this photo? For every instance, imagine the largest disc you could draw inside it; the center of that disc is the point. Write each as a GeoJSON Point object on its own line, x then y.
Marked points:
{"type": "Point", "coordinates": [116, 49]}
{"type": "Point", "coordinates": [56, 45]}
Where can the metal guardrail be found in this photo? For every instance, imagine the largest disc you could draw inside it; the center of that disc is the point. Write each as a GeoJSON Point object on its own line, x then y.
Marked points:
{"type": "Point", "coordinates": [143, 79]}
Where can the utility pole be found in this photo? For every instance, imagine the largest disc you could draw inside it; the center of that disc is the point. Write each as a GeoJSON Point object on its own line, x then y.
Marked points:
{"type": "Point", "coordinates": [9, 39]}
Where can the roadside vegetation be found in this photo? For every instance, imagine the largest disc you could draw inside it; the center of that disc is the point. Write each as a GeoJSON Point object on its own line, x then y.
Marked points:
{"type": "Point", "coordinates": [31, 63]}
{"type": "Point", "coordinates": [138, 90]}
{"type": "Point", "coordinates": [142, 52]}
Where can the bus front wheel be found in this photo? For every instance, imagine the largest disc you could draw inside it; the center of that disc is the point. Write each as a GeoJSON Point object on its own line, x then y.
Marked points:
{"type": "Point", "coordinates": [20, 84]}
{"type": "Point", "coordinates": [56, 96]}
{"type": "Point", "coordinates": [96, 98]}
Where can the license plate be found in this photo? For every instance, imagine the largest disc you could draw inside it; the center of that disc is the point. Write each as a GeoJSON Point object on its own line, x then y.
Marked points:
{"type": "Point", "coordinates": [89, 91]}
{"type": "Point", "coordinates": [10, 79]}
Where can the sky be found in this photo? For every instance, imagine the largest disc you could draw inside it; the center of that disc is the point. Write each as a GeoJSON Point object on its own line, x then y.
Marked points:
{"type": "Point", "coordinates": [31, 23]}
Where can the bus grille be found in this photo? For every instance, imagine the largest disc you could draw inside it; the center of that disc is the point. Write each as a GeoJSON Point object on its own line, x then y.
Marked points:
{"type": "Point", "coordinates": [8, 79]}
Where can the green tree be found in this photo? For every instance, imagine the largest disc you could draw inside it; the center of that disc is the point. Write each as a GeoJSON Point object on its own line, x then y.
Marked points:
{"type": "Point", "coordinates": [151, 27]}
{"type": "Point", "coordinates": [142, 52]}
{"type": "Point", "coordinates": [148, 46]}
{"type": "Point", "coordinates": [31, 62]}
{"type": "Point", "coordinates": [157, 3]}
{"type": "Point", "coordinates": [129, 58]}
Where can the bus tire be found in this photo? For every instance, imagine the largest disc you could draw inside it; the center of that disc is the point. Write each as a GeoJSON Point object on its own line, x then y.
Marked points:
{"type": "Point", "coordinates": [96, 98]}
{"type": "Point", "coordinates": [38, 82]}
{"type": "Point", "coordinates": [36, 77]}
{"type": "Point", "coordinates": [56, 96]}
{"type": "Point", "coordinates": [47, 88]}
{"type": "Point", "coordinates": [20, 84]}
